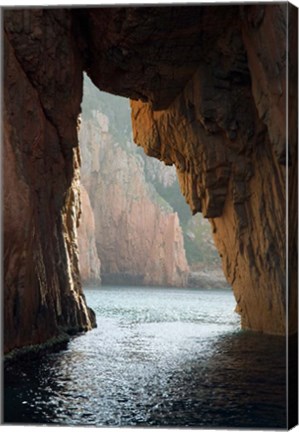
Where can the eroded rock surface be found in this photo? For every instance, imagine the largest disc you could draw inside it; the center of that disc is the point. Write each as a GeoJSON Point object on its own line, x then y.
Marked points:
{"type": "Point", "coordinates": [42, 290]}
{"type": "Point", "coordinates": [210, 98]}
{"type": "Point", "coordinates": [138, 236]}
{"type": "Point", "coordinates": [90, 264]}
{"type": "Point", "coordinates": [209, 90]}
{"type": "Point", "coordinates": [225, 132]}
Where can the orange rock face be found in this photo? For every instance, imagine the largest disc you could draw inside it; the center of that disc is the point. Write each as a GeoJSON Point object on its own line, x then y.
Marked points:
{"type": "Point", "coordinates": [139, 240]}
{"type": "Point", "coordinates": [225, 132]}
{"type": "Point", "coordinates": [210, 98]}
{"type": "Point", "coordinates": [90, 264]}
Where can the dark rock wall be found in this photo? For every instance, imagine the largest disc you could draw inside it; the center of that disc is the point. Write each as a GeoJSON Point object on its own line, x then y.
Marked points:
{"type": "Point", "coordinates": [42, 94]}
{"type": "Point", "coordinates": [209, 92]}
{"type": "Point", "coordinates": [292, 142]}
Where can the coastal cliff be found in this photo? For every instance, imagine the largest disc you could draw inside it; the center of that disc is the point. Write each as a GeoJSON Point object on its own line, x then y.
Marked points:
{"type": "Point", "coordinates": [138, 236]}
{"type": "Point", "coordinates": [42, 292]}
{"type": "Point", "coordinates": [89, 261]}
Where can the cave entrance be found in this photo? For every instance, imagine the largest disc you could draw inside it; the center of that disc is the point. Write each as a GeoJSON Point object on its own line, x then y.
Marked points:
{"type": "Point", "coordinates": [150, 270]}
{"type": "Point", "coordinates": [152, 360]}
{"type": "Point", "coordinates": [136, 227]}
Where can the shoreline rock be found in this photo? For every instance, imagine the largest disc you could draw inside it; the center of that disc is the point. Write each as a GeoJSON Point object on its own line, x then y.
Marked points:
{"type": "Point", "coordinates": [209, 278]}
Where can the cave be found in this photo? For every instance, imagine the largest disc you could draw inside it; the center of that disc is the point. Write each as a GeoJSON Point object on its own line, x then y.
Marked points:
{"type": "Point", "coordinates": [213, 92]}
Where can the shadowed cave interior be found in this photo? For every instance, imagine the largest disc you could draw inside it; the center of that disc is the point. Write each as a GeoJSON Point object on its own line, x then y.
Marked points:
{"type": "Point", "coordinates": [209, 90]}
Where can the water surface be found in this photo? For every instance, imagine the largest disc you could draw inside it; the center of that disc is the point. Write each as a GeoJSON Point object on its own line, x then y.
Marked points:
{"type": "Point", "coordinates": [159, 357]}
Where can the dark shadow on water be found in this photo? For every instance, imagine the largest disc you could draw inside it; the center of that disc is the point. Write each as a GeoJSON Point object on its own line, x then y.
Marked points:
{"type": "Point", "coordinates": [240, 383]}
{"type": "Point", "coordinates": [29, 383]}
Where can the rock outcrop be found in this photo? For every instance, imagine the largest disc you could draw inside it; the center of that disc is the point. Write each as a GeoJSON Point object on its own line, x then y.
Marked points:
{"type": "Point", "coordinates": [210, 98]}
{"type": "Point", "coordinates": [42, 291]}
{"type": "Point", "coordinates": [225, 132]}
{"type": "Point", "coordinates": [138, 236]}
{"type": "Point", "coordinates": [207, 278]}
{"type": "Point", "coordinates": [89, 262]}
{"type": "Point", "coordinates": [210, 92]}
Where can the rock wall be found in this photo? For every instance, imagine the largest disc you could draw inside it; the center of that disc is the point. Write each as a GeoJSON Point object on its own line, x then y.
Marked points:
{"type": "Point", "coordinates": [89, 262]}
{"type": "Point", "coordinates": [42, 93]}
{"type": "Point", "coordinates": [199, 246]}
{"type": "Point", "coordinates": [138, 237]}
{"type": "Point", "coordinates": [226, 135]}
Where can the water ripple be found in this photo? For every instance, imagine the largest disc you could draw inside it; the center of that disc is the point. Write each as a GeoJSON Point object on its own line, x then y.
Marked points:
{"type": "Point", "coordinates": [160, 357]}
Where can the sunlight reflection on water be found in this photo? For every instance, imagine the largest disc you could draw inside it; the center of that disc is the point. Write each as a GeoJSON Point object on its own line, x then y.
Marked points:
{"type": "Point", "coordinates": [161, 357]}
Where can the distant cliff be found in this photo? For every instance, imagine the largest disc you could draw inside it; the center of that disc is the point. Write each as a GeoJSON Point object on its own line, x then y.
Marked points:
{"type": "Point", "coordinates": [138, 235]}
{"type": "Point", "coordinates": [198, 242]}
{"type": "Point", "coordinates": [90, 265]}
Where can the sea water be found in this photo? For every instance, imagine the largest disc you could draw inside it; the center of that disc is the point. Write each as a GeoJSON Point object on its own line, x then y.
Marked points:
{"type": "Point", "coordinates": [171, 357]}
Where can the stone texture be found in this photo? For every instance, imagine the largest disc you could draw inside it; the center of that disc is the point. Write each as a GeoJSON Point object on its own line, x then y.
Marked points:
{"type": "Point", "coordinates": [209, 278]}
{"type": "Point", "coordinates": [139, 238]}
{"type": "Point", "coordinates": [42, 291]}
{"type": "Point", "coordinates": [292, 216]}
{"type": "Point", "coordinates": [228, 167]}
{"type": "Point", "coordinates": [209, 90]}
{"type": "Point", "coordinates": [90, 264]}
{"type": "Point", "coordinates": [222, 123]}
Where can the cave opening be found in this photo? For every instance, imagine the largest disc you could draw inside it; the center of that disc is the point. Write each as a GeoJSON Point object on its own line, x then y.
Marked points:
{"type": "Point", "coordinates": [200, 100]}
{"type": "Point", "coordinates": [153, 277]}
{"type": "Point", "coordinates": [135, 226]}
{"type": "Point", "coordinates": [212, 104]}
{"type": "Point", "coordinates": [149, 268]}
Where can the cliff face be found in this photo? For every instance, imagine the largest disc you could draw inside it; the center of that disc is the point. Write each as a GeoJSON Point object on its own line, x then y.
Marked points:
{"type": "Point", "coordinates": [199, 246]}
{"type": "Point", "coordinates": [42, 291]}
{"type": "Point", "coordinates": [138, 237]}
{"type": "Point", "coordinates": [232, 157]}
{"type": "Point", "coordinates": [90, 264]}
{"type": "Point", "coordinates": [210, 96]}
